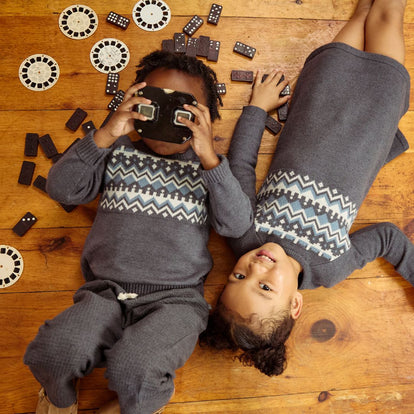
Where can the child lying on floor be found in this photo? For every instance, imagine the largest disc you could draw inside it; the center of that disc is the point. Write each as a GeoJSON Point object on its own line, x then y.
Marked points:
{"type": "Point", "coordinates": [342, 128]}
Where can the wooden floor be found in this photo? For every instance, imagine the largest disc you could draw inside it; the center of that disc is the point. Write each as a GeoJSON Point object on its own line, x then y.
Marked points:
{"type": "Point", "coordinates": [352, 349]}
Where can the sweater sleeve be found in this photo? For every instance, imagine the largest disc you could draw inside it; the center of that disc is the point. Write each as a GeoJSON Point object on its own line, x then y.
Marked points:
{"type": "Point", "coordinates": [399, 145]}
{"type": "Point", "coordinates": [77, 177]}
{"type": "Point", "coordinates": [229, 207]}
{"type": "Point", "coordinates": [244, 149]}
{"type": "Point", "coordinates": [388, 241]}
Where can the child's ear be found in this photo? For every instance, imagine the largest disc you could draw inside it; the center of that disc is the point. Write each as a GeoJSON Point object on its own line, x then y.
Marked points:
{"type": "Point", "coordinates": [296, 305]}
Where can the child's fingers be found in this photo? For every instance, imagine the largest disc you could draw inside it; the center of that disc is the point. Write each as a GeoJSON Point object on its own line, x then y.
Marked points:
{"type": "Point", "coordinates": [186, 122]}
{"type": "Point", "coordinates": [128, 104]}
{"type": "Point", "coordinates": [258, 77]}
{"type": "Point", "coordinates": [133, 89]}
{"type": "Point", "coordinates": [284, 99]}
{"type": "Point", "coordinates": [201, 112]}
{"type": "Point", "coordinates": [137, 115]}
{"type": "Point", "coordinates": [274, 78]}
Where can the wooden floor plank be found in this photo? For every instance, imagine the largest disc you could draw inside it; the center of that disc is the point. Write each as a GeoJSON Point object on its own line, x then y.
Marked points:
{"type": "Point", "coordinates": [349, 342]}
{"type": "Point", "coordinates": [287, 51]}
{"type": "Point", "coordinates": [392, 399]}
{"type": "Point", "coordinates": [287, 9]}
{"type": "Point", "coordinates": [52, 260]}
{"type": "Point", "coordinates": [323, 9]}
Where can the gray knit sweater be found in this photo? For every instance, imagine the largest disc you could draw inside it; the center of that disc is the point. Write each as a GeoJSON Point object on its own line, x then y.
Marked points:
{"type": "Point", "coordinates": [152, 226]}
{"type": "Point", "coordinates": [342, 127]}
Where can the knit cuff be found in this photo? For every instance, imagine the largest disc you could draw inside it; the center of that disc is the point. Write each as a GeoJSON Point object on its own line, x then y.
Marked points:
{"type": "Point", "coordinates": [255, 112]}
{"type": "Point", "coordinates": [88, 151]}
{"type": "Point", "coordinates": [217, 174]}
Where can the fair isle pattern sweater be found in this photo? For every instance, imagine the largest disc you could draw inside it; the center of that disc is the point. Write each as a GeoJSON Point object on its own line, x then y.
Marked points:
{"type": "Point", "coordinates": [153, 221]}
{"type": "Point", "coordinates": [328, 154]}
{"type": "Point", "coordinates": [139, 182]}
{"type": "Point", "coordinates": [306, 212]}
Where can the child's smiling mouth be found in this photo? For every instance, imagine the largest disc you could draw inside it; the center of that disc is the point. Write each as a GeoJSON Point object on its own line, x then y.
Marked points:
{"type": "Point", "coordinates": [265, 256]}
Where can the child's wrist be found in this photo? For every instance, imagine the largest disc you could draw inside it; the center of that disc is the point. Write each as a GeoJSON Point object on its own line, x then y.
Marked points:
{"type": "Point", "coordinates": [103, 139]}
{"type": "Point", "coordinates": [258, 105]}
{"type": "Point", "coordinates": [209, 161]}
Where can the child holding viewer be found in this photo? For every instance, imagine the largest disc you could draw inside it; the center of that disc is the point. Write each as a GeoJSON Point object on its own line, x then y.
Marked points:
{"type": "Point", "coordinates": [145, 259]}
{"type": "Point", "coordinates": [342, 128]}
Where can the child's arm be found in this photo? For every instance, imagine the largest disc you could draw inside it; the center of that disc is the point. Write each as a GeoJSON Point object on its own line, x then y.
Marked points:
{"type": "Point", "coordinates": [202, 141]}
{"type": "Point", "coordinates": [266, 94]}
{"type": "Point", "coordinates": [245, 143]}
{"type": "Point", "coordinates": [229, 207]}
{"type": "Point", "coordinates": [122, 121]}
{"type": "Point", "coordinates": [388, 241]}
{"type": "Point", "coordinates": [77, 177]}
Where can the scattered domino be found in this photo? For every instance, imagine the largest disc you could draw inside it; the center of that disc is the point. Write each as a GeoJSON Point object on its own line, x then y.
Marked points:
{"type": "Point", "coordinates": [88, 127]}
{"type": "Point", "coordinates": [168, 45]}
{"type": "Point", "coordinates": [112, 82]}
{"type": "Point", "coordinates": [244, 50]}
{"type": "Point", "coordinates": [56, 158]}
{"type": "Point", "coordinates": [179, 42]}
{"type": "Point", "coordinates": [116, 100]}
{"type": "Point", "coordinates": [273, 125]}
{"type": "Point", "coordinates": [192, 47]}
{"type": "Point", "coordinates": [282, 112]}
{"type": "Point", "coordinates": [40, 183]}
{"type": "Point", "coordinates": [214, 14]}
{"type": "Point", "coordinates": [193, 25]}
{"type": "Point", "coordinates": [213, 50]}
{"type": "Point", "coordinates": [31, 145]}
{"type": "Point", "coordinates": [118, 20]}
{"type": "Point", "coordinates": [242, 75]}
{"type": "Point", "coordinates": [76, 119]}
{"type": "Point", "coordinates": [286, 90]}
{"type": "Point", "coordinates": [48, 146]}
{"type": "Point", "coordinates": [203, 46]}
{"type": "Point", "coordinates": [24, 224]}
{"type": "Point", "coordinates": [26, 173]}
{"type": "Point", "coordinates": [221, 88]}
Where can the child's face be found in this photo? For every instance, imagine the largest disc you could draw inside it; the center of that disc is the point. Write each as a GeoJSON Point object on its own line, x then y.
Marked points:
{"type": "Point", "coordinates": [177, 81]}
{"type": "Point", "coordinates": [264, 281]}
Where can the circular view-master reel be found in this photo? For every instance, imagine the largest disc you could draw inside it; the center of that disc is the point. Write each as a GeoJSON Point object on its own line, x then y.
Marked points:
{"type": "Point", "coordinates": [39, 72]}
{"type": "Point", "coordinates": [109, 55]}
{"type": "Point", "coordinates": [151, 15]}
{"type": "Point", "coordinates": [78, 21]}
{"type": "Point", "coordinates": [11, 266]}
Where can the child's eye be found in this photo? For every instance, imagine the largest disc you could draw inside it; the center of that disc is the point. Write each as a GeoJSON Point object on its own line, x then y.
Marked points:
{"type": "Point", "coordinates": [238, 276]}
{"type": "Point", "coordinates": [264, 286]}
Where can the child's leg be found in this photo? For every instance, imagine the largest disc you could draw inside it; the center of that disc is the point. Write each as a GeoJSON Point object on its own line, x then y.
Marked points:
{"type": "Point", "coordinates": [353, 33]}
{"type": "Point", "coordinates": [384, 29]}
{"type": "Point", "coordinates": [141, 365]}
{"type": "Point", "coordinates": [71, 345]}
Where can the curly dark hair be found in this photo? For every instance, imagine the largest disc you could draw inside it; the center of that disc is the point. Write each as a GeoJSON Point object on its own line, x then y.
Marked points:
{"type": "Point", "coordinates": [266, 351]}
{"type": "Point", "coordinates": [186, 64]}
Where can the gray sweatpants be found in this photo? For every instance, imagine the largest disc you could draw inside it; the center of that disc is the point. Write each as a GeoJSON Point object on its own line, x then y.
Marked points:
{"type": "Point", "coordinates": [141, 341]}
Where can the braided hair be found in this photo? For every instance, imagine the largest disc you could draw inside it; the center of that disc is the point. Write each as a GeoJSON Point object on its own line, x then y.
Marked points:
{"type": "Point", "coordinates": [186, 64]}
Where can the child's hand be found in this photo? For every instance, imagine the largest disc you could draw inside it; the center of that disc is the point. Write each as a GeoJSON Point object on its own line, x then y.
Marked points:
{"type": "Point", "coordinates": [202, 141]}
{"type": "Point", "coordinates": [265, 94]}
{"type": "Point", "coordinates": [122, 121]}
